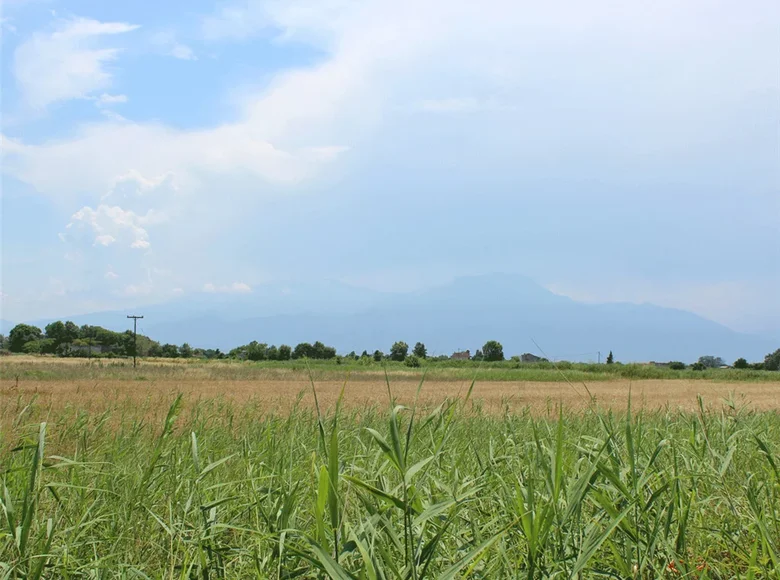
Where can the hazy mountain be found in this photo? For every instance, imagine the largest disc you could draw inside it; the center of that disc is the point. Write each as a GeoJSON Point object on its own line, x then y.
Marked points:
{"type": "Point", "coordinates": [464, 314]}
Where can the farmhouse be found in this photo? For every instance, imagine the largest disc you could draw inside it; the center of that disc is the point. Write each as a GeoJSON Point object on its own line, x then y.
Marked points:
{"type": "Point", "coordinates": [465, 355]}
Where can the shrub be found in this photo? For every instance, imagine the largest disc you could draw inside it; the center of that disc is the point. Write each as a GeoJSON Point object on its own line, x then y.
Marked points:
{"type": "Point", "coordinates": [412, 361]}
{"type": "Point", "coordinates": [698, 366]}
{"type": "Point", "coordinates": [740, 363]}
{"type": "Point", "coordinates": [677, 365]}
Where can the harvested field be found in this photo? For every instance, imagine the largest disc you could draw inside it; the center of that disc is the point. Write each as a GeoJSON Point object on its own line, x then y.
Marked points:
{"type": "Point", "coordinates": [150, 396]}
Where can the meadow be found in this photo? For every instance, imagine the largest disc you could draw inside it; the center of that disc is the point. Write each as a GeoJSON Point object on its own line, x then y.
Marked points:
{"type": "Point", "coordinates": [423, 479]}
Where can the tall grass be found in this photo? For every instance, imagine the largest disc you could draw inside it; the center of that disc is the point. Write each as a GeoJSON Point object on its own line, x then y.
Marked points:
{"type": "Point", "coordinates": [219, 491]}
{"type": "Point", "coordinates": [49, 368]}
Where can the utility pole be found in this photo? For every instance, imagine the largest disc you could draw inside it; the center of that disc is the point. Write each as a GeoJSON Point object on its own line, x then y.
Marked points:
{"type": "Point", "coordinates": [599, 357]}
{"type": "Point", "coordinates": [135, 335]}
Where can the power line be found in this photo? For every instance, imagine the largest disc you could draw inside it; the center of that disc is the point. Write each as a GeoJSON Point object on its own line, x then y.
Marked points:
{"type": "Point", "coordinates": [135, 335]}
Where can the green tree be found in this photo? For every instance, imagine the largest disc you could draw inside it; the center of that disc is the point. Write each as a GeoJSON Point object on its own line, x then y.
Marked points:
{"type": "Point", "coordinates": [399, 351]}
{"type": "Point", "coordinates": [711, 362]}
{"type": "Point", "coordinates": [478, 355]}
{"type": "Point", "coordinates": [285, 352]}
{"type": "Point", "coordinates": [303, 350]}
{"type": "Point", "coordinates": [40, 346]}
{"type": "Point", "coordinates": [740, 363]}
{"type": "Point", "coordinates": [272, 353]}
{"type": "Point", "coordinates": [677, 365]}
{"type": "Point", "coordinates": [3, 342]}
{"type": "Point", "coordinates": [21, 334]}
{"type": "Point", "coordinates": [256, 351]}
{"type": "Point", "coordinates": [170, 351]}
{"type": "Point", "coordinates": [610, 358]}
{"type": "Point", "coordinates": [412, 361]}
{"type": "Point", "coordinates": [364, 354]}
{"type": "Point", "coordinates": [493, 351]}
{"type": "Point", "coordinates": [772, 361]}
{"type": "Point", "coordinates": [420, 351]}
{"type": "Point", "coordinates": [185, 351]}
{"type": "Point", "coordinates": [378, 356]}
{"type": "Point", "coordinates": [56, 331]}
{"type": "Point", "coordinates": [155, 350]}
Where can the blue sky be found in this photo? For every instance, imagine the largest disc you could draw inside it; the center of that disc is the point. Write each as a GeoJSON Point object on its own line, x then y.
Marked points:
{"type": "Point", "coordinates": [619, 151]}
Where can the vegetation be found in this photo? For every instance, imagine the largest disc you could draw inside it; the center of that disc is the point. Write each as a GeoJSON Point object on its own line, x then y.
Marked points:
{"type": "Point", "coordinates": [610, 358]}
{"type": "Point", "coordinates": [398, 351]}
{"type": "Point", "coordinates": [420, 351]}
{"type": "Point", "coordinates": [218, 491]}
{"type": "Point", "coordinates": [772, 361]}
{"type": "Point", "coordinates": [740, 363]}
{"type": "Point", "coordinates": [493, 351]}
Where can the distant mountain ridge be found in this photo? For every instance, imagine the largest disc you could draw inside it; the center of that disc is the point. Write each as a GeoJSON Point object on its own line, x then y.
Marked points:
{"type": "Point", "coordinates": [463, 314]}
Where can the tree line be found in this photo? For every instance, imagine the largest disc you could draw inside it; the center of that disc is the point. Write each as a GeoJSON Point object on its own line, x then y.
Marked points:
{"type": "Point", "coordinates": [68, 339]}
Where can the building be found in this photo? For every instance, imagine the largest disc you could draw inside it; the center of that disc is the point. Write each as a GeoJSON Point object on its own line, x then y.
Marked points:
{"type": "Point", "coordinates": [465, 355]}
{"type": "Point", "coordinates": [530, 358]}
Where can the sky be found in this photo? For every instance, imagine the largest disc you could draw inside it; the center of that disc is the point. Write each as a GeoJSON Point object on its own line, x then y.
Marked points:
{"type": "Point", "coordinates": [612, 151]}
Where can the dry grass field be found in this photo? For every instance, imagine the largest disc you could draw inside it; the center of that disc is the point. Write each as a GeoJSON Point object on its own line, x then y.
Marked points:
{"type": "Point", "coordinates": [150, 397]}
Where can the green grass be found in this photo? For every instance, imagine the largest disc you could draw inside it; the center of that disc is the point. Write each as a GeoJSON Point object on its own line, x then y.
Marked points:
{"type": "Point", "coordinates": [72, 369]}
{"type": "Point", "coordinates": [212, 490]}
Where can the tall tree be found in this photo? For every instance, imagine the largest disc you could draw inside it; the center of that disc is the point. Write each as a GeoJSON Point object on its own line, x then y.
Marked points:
{"type": "Point", "coordinates": [399, 351]}
{"type": "Point", "coordinates": [493, 351]}
{"type": "Point", "coordinates": [285, 352]}
{"type": "Point", "coordinates": [185, 351]}
{"type": "Point", "coordinates": [711, 362]}
{"type": "Point", "coordinates": [610, 358]}
{"type": "Point", "coordinates": [772, 361]}
{"type": "Point", "coordinates": [22, 334]}
{"type": "Point", "coordinates": [420, 351]}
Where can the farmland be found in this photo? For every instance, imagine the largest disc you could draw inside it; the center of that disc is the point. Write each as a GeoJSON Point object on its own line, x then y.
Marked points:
{"type": "Point", "coordinates": [238, 470]}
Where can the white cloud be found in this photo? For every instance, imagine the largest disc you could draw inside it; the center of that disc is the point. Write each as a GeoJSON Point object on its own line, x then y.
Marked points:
{"type": "Point", "coordinates": [104, 240]}
{"type": "Point", "coordinates": [111, 275]}
{"type": "Point", "coordinates": [69, 62]}
{"type": "Point", "coordinates": [234, 288]}
{"type": "Point", "coordinates": [106, 99]}
{"type": "Point", "coordinates": [182, 52]}
{"type": "Point", "coordinates": [113, 223]}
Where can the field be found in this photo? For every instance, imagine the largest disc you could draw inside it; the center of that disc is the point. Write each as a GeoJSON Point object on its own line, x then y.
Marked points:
{"type": "Point", "coordinates": [182, 470]}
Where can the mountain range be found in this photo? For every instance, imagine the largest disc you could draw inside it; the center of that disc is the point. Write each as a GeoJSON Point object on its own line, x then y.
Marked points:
{"type": "Point", "coordinates": [463, 314]}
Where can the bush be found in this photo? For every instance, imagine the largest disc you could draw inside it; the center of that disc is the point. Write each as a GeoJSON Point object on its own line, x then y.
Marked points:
{"type": "Point", "coordinates": [677, 365]}
{"type": "Point", "coordinates": [412, 361]}
{"type": "Point", "coordinates": [740, 363]}
{"type": "Point", "coordinates": [698, 366]}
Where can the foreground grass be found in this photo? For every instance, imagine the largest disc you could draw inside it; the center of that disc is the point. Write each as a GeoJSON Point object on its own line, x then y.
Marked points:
{"type": "Point", "coordinates": [45, 368]}
{"type": "Point", "coordinates": [220, 491]}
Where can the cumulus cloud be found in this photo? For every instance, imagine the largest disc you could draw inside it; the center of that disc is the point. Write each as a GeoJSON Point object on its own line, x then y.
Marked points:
{"type": "Point", "coordinates": [68, 62]}
{"type": "Point", "coordinates": [111, 275]}
{"type": "Point", "coordinates": [234, 288]}
{"type": "Point", "coordinates": [112, 223]}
